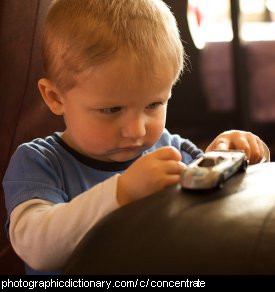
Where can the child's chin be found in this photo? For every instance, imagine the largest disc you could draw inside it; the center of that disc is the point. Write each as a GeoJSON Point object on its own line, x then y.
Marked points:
{"type": "Point", "coordinates": [123, 157]}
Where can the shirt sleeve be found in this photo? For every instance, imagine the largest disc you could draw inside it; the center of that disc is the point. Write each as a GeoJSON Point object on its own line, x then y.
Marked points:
{"type": "Point", "coordinates": [44, 234]}
{"type": "Point", "coordinates": [188, 150]}
{"type": "Point", "coordinates": [34, 172]}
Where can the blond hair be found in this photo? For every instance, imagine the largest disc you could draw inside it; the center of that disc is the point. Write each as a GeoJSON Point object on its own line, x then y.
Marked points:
{"type": "Point", "coordinates": [81, 33]}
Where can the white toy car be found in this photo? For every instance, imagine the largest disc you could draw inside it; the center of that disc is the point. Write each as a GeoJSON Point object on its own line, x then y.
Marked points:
{"type": "Point", "coordinates": [213, 168]}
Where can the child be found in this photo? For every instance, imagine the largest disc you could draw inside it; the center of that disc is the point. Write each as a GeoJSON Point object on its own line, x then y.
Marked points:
{"type": "Point", "coordinates": [110, 68]}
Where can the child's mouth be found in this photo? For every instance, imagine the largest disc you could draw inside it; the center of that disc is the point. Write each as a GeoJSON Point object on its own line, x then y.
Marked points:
{"type": "Point", "coordinates": [131, 148]}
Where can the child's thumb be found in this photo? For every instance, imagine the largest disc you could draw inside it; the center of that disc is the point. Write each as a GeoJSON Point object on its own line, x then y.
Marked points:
{"type": "Point", "coordinates": [222, 146]}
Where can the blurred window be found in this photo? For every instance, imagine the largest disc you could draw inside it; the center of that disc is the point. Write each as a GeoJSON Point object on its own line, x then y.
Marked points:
{"type": "Point", "coordinates": [257, 20]}
{"type": "Point", "coordinates": [210, 20]}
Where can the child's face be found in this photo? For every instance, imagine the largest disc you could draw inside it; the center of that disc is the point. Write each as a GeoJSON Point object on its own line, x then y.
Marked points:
{"type": "Point", "coordinates": [116, 111]}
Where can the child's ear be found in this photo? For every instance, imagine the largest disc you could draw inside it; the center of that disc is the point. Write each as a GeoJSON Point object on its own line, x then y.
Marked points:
{"type": "Point", "coordinates": [51, 96]}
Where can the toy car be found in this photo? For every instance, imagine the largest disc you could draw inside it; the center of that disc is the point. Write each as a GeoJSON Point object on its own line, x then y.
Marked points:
{"type": "Point", "coordinates": [213, 169]}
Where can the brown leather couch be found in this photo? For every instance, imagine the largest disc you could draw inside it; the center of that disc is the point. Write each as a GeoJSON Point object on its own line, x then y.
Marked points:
{"type": "Point", "coordinates": [228, 231]}
{"type": "Point", "coordinates": [23, 114]}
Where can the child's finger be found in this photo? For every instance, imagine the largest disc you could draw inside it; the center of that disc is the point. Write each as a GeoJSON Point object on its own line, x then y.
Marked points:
{"type": "Point", "coordinates": [172, 179]}
{"type": "Point", "coordinates": [243, 144]}
{"type": "Point", "coordinates": [266, 154]}
{"type": "Point", "coordinates": [167, 153]}
{"type": "Point", "coordinates": [219, 144]}
{"type": "Point", "coordinates": [173, 167]}
{"type": "Point", "coordinates": [222, 146]}
{"type": "Point", "coordinates": [256, 149]}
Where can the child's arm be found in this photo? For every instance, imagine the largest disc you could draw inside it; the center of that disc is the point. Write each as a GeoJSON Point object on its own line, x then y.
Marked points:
{"type": "Point", "coordinates": [253, 146]}
{"type": "Point", "coordinates": [45, 234]}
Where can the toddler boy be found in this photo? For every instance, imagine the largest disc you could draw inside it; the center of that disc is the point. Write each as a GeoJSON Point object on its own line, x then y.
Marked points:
{"type": "Point", "coordinates": [110, 68]}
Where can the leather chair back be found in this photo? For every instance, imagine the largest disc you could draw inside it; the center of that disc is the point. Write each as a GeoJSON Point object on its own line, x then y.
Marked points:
{"type": "Point", "coordinates": [23, 115]}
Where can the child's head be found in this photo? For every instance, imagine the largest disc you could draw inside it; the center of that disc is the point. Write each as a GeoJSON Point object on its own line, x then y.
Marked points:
{"type": "Point", "coordinates": [110, 67]}
{"type": "Point", "coordinates": [79, 34]}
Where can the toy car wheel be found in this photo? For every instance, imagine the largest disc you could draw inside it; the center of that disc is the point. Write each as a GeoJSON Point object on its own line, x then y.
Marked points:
{"type": "Point", "coordinates": [244, 165]}
{"type": "Point", "coordinates": [220, 183]}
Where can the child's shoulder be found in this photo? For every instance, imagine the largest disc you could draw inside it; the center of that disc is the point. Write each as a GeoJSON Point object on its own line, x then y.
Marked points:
{"type": "Point", "coordinates": [49, 142]}
{"type": "Point", "coordinates": [168, 139]}
{"type": "Point", "coordinates": [38, 147]}
{"type": "Point", "coordinates": [41, 157]}
{"type": "Point", "coordinates": [189, 150]}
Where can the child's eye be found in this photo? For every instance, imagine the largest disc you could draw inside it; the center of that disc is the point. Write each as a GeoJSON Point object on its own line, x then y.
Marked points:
{"type": "Point", "coordinates": [154, 105]}
{"type": "Point", "coordinates": [110, 110]}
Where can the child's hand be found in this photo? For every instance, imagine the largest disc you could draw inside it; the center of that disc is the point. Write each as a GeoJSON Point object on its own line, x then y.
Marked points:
{"type": "Point", "coordinates": [250, 143]}
{"type": "Point", "coordinates": [149, 174]}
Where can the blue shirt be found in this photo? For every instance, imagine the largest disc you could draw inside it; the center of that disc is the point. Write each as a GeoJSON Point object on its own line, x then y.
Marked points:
{"type": "Point", "coordinates": [49, 169]}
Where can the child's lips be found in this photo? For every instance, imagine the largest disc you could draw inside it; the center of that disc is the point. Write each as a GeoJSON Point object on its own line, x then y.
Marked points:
{"type": "Point", "coordinates": [131, 148]}
{"type": "Point", "coordinates": [134, 149]}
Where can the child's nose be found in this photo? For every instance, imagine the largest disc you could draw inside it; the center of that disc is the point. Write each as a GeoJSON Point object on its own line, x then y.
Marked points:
{"type": "Point", "coordinates": [134, 128]}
